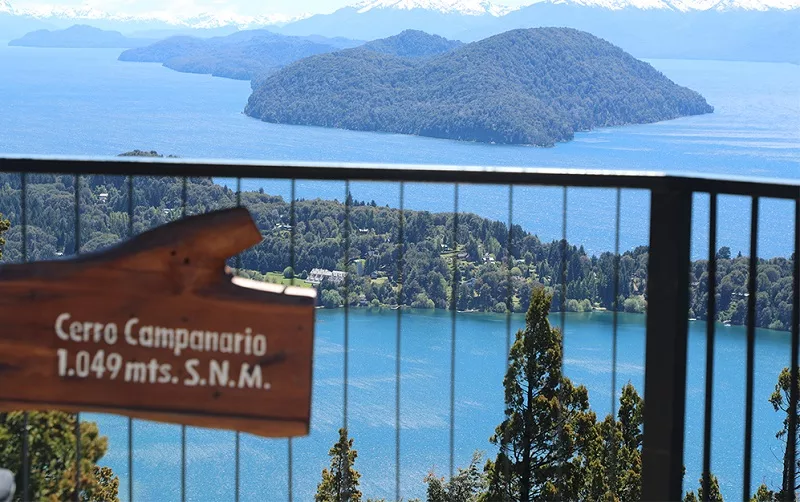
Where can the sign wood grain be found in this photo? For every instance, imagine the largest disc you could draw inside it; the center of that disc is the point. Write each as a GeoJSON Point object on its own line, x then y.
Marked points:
{"type": "Point", "coordinates": [158, 329]}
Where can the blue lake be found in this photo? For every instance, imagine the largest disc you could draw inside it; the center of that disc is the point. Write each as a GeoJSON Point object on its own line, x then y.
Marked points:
{"type": "Point", "coordinates": [84, 102]}
{"type": "Point", "coordinates": [425, 406]}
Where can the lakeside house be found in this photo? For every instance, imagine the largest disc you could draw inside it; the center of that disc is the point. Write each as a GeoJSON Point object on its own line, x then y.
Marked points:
{"type": "Point", "coordinates": [318, 275]}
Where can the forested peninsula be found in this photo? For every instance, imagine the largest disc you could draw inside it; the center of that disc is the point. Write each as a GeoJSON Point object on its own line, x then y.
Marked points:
{"type": "Point", "coordinates": [490, 275]}
{"type": "Point", "coordinates": [243, 55]}
{"type": "Point", "coordinates": [535, 86]}
{"type": "Point", "coordinates": [79, 36]}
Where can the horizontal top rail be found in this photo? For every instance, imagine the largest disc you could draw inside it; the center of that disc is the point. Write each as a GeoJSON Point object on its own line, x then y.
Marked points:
{"type": "Point", "coordinates": [544, 176]}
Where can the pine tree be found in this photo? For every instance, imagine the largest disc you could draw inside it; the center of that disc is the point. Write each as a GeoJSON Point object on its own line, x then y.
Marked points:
{"type": "Point", "coordinates": [780, 400]}
{"type": "Point", "coordinates": [763, 494]}
{"type": "Point", "coordinates": [52, 457]}
{"type": "Point", "coordinates": [340, 483]}
{"type": "Point", "coordinates": [616, 462]}
{"type": "Point", "coordinates": [466, 486]}
{"type": "Point", "coordinates": [548, 428]}
{"type": "Point", "coordinates": [714, 495]}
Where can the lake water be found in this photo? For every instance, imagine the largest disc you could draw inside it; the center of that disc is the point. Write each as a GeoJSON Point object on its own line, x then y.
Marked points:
{"type": "Point", "coordinates": [84, 102]}
{"type": "Point", "coordinates": [425, 406]}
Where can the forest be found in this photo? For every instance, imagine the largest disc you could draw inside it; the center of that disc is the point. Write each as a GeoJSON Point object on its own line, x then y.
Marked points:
{"type": "Point", "coordinates": [535, 87]}
{"type": "Point", "coordinates": [414, 259]}
{"type": "Point", "coordinates": [243, 55]}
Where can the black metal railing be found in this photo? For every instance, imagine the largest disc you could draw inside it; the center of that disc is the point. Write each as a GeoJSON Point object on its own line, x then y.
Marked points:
{"type": "Point", "coordinates": [670, 227]}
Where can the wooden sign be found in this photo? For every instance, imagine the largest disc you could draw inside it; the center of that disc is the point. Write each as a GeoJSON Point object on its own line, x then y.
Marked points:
{"type": "Point", "coordinates": [156, 328]}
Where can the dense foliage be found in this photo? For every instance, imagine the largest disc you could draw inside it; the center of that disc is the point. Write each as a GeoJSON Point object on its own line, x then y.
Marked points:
{"type": "Point", "coordinates": [548, 431]}
{"type": "Point", "coordinates": [490, 276]}
{"type": "Point", "coordinates": [536, 86]}
{"type": "Point", "coordinates": [781, 402]}
{"type": "Point", "coordinates": [340, 482]}
{"type": "Point", "coordinates": [412, 43]}
{"type": "Point", "coordinates": [773, 290]}
{"type": "Point", "coordinates": [242, 55]}
{"type": "Point", "coordinates": [52, 457]}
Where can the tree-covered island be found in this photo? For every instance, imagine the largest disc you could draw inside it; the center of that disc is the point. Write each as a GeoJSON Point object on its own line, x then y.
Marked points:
{"type": "Point", "coordinates": [535, 86]}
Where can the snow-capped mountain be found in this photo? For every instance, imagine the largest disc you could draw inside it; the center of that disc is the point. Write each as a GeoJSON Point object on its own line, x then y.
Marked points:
{"type": "Point", "coordinates": [65, 15]}
{"type": "Point", "coordinates": [463, 7]}
{"type": "Point", "coordinates": [749, 30]}
{"type": "Point", "coordinates": [686, 5]}
{"type": "Point", "coordinates": [485, 7]}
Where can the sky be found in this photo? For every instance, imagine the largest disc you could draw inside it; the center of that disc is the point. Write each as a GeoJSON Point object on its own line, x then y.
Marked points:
{"type": "Point", "coordinates": [219, 7]}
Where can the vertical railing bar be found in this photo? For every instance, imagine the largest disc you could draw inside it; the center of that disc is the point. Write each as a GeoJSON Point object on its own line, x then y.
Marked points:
{"type": "Point", "coordinates": [184, 196]}
{"type": "Point", "coordinates": [77, 415]}
{"type": "Point", "coordinates": [399, 277]}
{"type": "Point", "coordinates": [751, 339]}
{"type": "Point", "coordinates": [23, 201]}
{"type": "Point", "coordinates": [510, 261]}
{"type": "Point", "coordinates": [184, 191]}
{"type": "Point", "coordinates": [26, 417]}
{"type": "Point", "coordinates": [510, 300]}
{"type": "Point", "coordinates": [131, 205]}
{"type": "Point", "coordinates": [615, 334]}
{"type": "Point", "coordinates": [666, 343]}
{"type": "Point", "coordinates": [292, 234]}
{"type": "Point", "coordinates": [793, 393]}
{"type": "Point", "coordinates": [615, 313]}
{"type": "Point", "coordinates": [453, 304]}
{"type": "Point", "coordinates": [347, 203]}
{"type": "Point", "coordinates": [711, 315]}
{"type": "Point", "coordinates": [563, 313]}
{"type": "Point", "coordinates": [563, 266]}
{"type": "Point", "coordinates": [237, 436]}
{"type": "Point", "coordinates": [77, 215]}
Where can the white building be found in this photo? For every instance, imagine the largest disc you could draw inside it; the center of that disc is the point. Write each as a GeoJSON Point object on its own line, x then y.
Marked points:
{"type": "Point", "coordinates": [317, 275]}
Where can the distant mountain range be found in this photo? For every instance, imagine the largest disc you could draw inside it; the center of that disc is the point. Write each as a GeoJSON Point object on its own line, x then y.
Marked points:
{"type": "Point", "coordinates": [243, 55]}
{"type": "Point", "coordinates": [79, 36]}
{"type": "Point", "coordinates": [15, 21]}
{"type": "Point", "coordinates": [753, 30]}
{"type": "Point", "coordinates": [533, 86]}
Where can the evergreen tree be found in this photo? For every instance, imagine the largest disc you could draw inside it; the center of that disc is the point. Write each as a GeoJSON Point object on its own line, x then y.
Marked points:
{"type": "Point", "coordinates": [548, 430]}
{"type": "Point", "coordinates": [780, 400]}
{"type": "Point", "coordinates": [466, 486]}
{"type": "Point", "coordinates": [763, 494]}
{"type": "Point", "coordinates": [714, 495]}
{"type": "Point", "coordinates": [340, 483]}
{"type": "Point", "coordinates": [616, 465]}
{"type": "Point", "coordinates": [51, 436]}
{"type": "Point", "coordinates": [4, 226]}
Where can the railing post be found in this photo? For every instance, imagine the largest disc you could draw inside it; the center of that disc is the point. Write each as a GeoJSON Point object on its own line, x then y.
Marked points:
{"type": "Point", "coordinates": [667, 329]}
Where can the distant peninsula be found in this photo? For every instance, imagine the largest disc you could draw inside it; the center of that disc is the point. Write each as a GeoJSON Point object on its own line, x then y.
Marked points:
{"type": "Point", "coordinates": [145, 153]}
{"type": "Point", "coordinates": [243, 55]}
{"type": "Point", "coordinates": [533, 86]}
{"type": "Point", "coordinates": [79, 37]}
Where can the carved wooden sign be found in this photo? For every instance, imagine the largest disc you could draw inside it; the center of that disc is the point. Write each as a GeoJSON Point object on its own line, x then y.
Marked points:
{"type": "Point", "coordinates": [156, 328]}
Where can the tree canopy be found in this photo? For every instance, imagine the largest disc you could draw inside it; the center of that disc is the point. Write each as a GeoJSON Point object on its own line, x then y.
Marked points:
{"type": "Point", "coordinates": [340, 482]}
{"type": "Point", "coordinates": [52, 457]}
{"type": "Point", "coordinates": [537, 86]}
{"type": "Point", "coordinates": [498, 267]}
{"type": "Point", "coordinates": [548, 428]}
